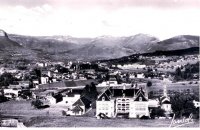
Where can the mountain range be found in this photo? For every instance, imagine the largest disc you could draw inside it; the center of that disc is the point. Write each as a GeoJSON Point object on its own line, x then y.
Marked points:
{"type": "Point", "coordinates": [104, 47]}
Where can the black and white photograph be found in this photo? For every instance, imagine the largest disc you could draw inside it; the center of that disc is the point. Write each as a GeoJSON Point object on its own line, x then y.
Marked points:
{"type": "Point", "coordinates": [99, 63]}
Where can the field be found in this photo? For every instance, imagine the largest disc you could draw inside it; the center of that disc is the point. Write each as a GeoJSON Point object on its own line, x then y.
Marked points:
{"type": "Point", "coordinates": [32, 117]}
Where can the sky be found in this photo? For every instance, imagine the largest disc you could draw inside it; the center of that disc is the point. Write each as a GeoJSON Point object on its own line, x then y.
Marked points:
{"type": "Point", "coordinates": [92, 18]}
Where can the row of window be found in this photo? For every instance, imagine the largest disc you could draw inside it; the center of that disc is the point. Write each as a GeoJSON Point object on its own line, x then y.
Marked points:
{"type": "Point", "coordinates": [122, 104]}
{"type": "Point", "coordinates": [123, 99]}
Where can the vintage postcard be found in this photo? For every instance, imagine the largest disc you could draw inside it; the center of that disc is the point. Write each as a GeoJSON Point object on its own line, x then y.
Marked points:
{"type": "Point", "coordinates": [99, 63]}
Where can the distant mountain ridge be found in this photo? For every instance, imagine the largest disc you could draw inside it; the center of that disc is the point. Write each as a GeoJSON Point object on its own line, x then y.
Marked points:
{"type": "Point", "coordinates": [6, 43]}
{"type": "Point", "coordinates": [104, 47]}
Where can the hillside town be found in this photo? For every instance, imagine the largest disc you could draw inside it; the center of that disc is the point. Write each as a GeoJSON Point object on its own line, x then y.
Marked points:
{"type": "Point", "coordinates": [101, 90]}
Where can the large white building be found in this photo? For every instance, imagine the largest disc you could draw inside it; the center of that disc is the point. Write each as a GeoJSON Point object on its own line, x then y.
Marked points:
{"type": "Point", "coordinates": [131, 102]}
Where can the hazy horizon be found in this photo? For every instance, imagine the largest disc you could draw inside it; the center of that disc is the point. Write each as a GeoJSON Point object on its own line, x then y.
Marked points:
{"type": "Point", "coordinates": [93, 18]}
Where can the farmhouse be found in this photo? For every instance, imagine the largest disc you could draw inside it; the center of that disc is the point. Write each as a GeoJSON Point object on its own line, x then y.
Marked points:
{"type": "Point", "coordinates": [80, 107]}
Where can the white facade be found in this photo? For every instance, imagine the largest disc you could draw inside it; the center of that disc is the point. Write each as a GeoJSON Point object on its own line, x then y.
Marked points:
{"type": "Point", "coordinates": [44, 80]}
{"type": "Point", "coordinates": [138, 109]}
{"type": "Point", "coordinates": [35, 81]}
{"type": "Point", "coordinates": [167, 107]}
{"type": "Point", "coordinates": [113, 103]}
{"type": "Point", "coordinates": [70, 112]}
{"type": "Point", "coordinates": [10, 91]}
{"type": "Point", "coordinates": [51, 99]}
{"type": "Point", "coordinates": [131, 66]}
{"type": "Point", "coordinates": [140, 76]}
{"type": "Point", "coordinates": [153, 103]}
{"type": "Point", "coordinates": [69, 100]}
{"type": "Point", "coordinates": [106, 107]}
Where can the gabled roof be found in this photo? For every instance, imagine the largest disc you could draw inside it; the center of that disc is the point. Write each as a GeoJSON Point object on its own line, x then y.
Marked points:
{"type": "Point", "coordinates": [74, 92]}
{"type": "Point", "coordinates": [166, 102]}
{"type": "Point", "coordinates": [127, 92]}
{"type": "Point", "coordinates": [138, 97]}
{"type": "Point", "coordinates": [140, 93]}
{"type": "Point", "coordinates": [79, 102]}
{"type": "Point", "coordinates": [77, 108]}
{"type": "Point", "coordinates": [105, 96]}
{"type": "Point", "coordinates": [83, 101]}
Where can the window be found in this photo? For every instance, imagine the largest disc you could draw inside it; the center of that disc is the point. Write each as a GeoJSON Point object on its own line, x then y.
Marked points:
{"type": "Point", "coordinates": [140, 98]}
{"type": "Point", "coordinates": [103, 98]}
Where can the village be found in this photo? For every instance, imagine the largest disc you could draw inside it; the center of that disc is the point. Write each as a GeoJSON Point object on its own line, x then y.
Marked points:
{"type": "Point", "coordinates": [100, 90]}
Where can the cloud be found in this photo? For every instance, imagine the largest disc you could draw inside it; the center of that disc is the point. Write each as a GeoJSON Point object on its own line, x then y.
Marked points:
{"type": "Point", "coordinates": [63, 17]}
{"type": "Point", "coordinates": [108, 4]}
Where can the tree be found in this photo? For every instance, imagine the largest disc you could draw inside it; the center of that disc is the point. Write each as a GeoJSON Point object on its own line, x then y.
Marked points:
{"type": "Point", "coordinates": [90, 92]}
{"type": "Point", "coordinates": [182, 104]}
{"type": "Point", "coordinates": [149, 84]}
{"type": "Point", "coordinates": [6, 79]}
{"type": "Point", "coordinates": [178, 74]}
{"type": "Point", "coordinates": [157, 112]}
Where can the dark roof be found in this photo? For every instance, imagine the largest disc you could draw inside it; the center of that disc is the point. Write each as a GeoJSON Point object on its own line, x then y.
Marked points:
{"type": "Point", "coordinates": [163, 101]}
{"type": "Point", "coordinates": [83, 102]}
{"type": "Point", "coordinates": [79, 102]}
{"type": "Point", "coordinates": [138, 97]}
{"type": "Point", "coordinates": [105, 96]}
{"type": "Point", "coordinates": [166, 102]}
{"type": "Point", "coordinates": [72, 92]}
{"type": "Point", "coordinates": [127, 92]}
{"type": "Point", "coordinates": [112, 79]}
{"type": "Point", "coordinates": [131, 92]}
{"type": "Point", "coordinates": [77, 108]}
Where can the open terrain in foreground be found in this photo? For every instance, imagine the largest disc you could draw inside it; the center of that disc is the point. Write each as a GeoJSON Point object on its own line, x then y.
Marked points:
{"type": "Point", "coordinates": [32, 117]}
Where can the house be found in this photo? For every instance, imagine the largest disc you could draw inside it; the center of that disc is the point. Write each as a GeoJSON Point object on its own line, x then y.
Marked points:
{"type": "Point", "coordinates": [80, 107]}
{"type": "Point", "coordinates": [71, 96]}
{"type": "Point", "coordinates": [112, 80]}
{"type": "Point", "coordinates": [24, 84]}
{"type": "Point", "coordinates": [140, 75]}
{"type": "Point", "coordinates": [44, 79]}
{"type": "Point", "coordinates": [116, 101]}
{"type": "Point", "coordinates": [154, 103]}
{"type": "Point", "coordinates": [165, 100]}
{"type": "Point", "coordinates": [10, 93]}
{"type": "Point", "coordinates": [47, 100]}
{"type": "Point", "coordinates": [166, 104]}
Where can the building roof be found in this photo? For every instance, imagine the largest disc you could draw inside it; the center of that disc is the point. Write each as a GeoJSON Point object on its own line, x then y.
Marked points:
{"type": "Point", "coordinates": [116, 92]}
{"type": "Point", "coordinates": [77, 108]}
{"type": "Point", "coordinates": [140, 94]}
{"type": "Point", "coordinates": [105, 96]}
{"type": "Point", "coordinates": [73, 92]}
{"type": "Point", "coordinates": [165, 100]}
{"type": "Point", "coordinates": [83, 101]}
